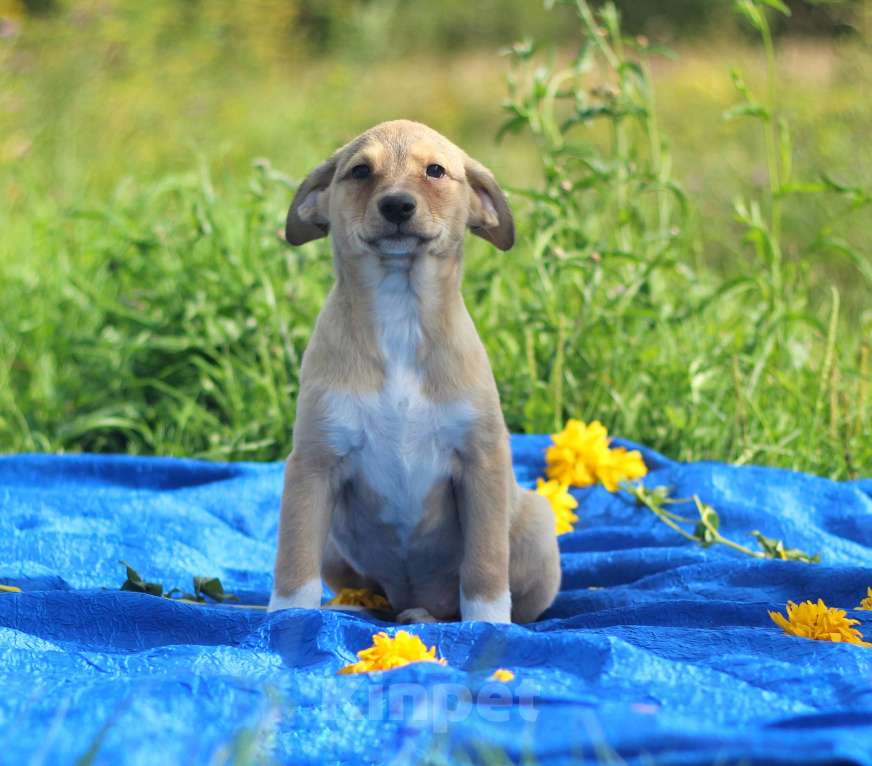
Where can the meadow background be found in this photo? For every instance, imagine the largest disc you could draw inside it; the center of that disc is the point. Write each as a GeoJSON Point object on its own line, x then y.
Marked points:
{"type": "Point", "coordinates": [691, 186]}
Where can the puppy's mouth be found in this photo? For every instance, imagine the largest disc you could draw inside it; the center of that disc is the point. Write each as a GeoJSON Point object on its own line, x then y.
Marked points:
{"type": "Point", "coordinates": [398, 245]}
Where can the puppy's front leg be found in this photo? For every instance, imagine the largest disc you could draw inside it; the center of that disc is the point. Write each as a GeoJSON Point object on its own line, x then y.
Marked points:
{"type": "Point", "coordinates": [307, 504]}
{"type": "Point", "coordinates": [484, 501]}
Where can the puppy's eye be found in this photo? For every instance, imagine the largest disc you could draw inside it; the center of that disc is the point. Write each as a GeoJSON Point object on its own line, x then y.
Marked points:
{"type": "Point", "coordinates": [361, 171]}
{"type": "Point", "coordinates": [435, 171]}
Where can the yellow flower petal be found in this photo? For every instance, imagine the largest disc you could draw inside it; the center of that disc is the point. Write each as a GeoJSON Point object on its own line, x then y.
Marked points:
{"type": "Point", "coordinates": [387, 653]}
{"type": "Point", "coordinates": [580, 456]}
{"type": "Point", "coordinates": [819, 622]}
{"type": "Point", "coordinates": [573, 457]}
{"type": "Point", "coordinates": [866, 603]}
{"type": "Point", "coordinates": [562, 504]}
{"type": "Point", "coordinates": [618, 465]}
{"type": "Point", "coordinates": [9, 589]}
{"type": "Point", "coordinates": [501, 674]}
{"type": "Point", "coordinates": [360, 597]}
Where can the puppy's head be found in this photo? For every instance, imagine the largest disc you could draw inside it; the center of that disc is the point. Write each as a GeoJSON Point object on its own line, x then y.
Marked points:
{"type": "Point", "coordinates": [399, 190]}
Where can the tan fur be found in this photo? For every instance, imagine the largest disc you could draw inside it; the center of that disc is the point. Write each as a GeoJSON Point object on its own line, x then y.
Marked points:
{"type": "Point", "coordinates": [479, 533]}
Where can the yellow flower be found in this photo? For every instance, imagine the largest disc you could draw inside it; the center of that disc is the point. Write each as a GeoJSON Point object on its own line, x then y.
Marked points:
{"type": "Point", "coordinates": [576, 450]}
{"type": "Point", "coordinates": [9, 589]}
{"type": "Point", "coordinates": [819, 622]}
{"type": "Point", "coordinates": [562, 504]}
{"type": "Point", "coordinates": [617, 465]}
{"type": "Point", "coordinates": [866, 603]}
{"type": "Point", "coordinates": [387, 653]}
{"type": "Point", "coordinates": [501, 674]}
{"type": "Point", "coordinates": [359, 597]}
{"type": "Point", "coordinates": [580, 456]}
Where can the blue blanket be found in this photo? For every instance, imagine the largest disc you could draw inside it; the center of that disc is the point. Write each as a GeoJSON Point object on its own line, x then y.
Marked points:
{"type": "Point", "coordinates": [656, 650]}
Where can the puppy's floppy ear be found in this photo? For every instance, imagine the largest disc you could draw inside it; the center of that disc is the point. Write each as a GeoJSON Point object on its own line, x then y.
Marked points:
{"type": "Point", "coordinates": [489, 214]}
{"type": "Point", "coordinates": [307, 217]}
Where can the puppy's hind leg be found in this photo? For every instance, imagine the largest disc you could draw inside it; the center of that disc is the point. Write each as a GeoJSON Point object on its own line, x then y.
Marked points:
{"type": "Point", "coordinates": [339, 574]}
{"type": "Point", "coordinates": [416, 616]}
{"type": "Point", "coordinates": [534, 558]}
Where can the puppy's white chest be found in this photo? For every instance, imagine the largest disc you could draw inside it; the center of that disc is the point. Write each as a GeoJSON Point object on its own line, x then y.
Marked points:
{"type": "Point", "coordinates": [397, 441]}
{"type": "Point", "coordinates": [400, 441]}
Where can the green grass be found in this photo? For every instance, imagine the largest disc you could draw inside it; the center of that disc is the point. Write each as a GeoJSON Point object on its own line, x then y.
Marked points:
{"type": "Point", "coordinates": [149, 306]}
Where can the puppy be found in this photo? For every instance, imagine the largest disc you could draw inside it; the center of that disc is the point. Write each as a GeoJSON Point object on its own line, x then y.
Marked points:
{"type": "Point", "coordinates": [400, 479]}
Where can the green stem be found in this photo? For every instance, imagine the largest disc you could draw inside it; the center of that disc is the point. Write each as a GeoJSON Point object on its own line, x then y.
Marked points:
{"type": "Point", "coordinates": [655, 506]}
{"type": "Point", "coordinates": [614, 59]}
{"type": "Point", "coordinates": [656, 149]}
{"type": "Point", "coordinates": [557, 374]}
{"type": "Point", "coordinates": [593, 31]}
{"type": "Point", "coordinates": [772, 152]}
{"type": "Point", "coordinates": [719, 538]}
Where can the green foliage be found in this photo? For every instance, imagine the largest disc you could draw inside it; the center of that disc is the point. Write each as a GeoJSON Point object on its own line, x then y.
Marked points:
{"type": "Point", "coordinates": [203, 587]}
{"type": "Point", "coordinates": [211, 587]}
{"type": "Point", "coordinates": [776, 549]}
{"type": "Point", "coordinates": [616, 322]}
{"type": "Point", "coordinates": [707, 526]}
{"type": "Point", "coordinates": [193, 320]}
{"type": "Point", "coordinates": [135, 584]}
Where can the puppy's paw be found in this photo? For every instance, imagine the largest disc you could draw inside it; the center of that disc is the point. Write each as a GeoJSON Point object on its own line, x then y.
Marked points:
{"type": "Point", "coordinates": [486, 610]}
{"type": "Point", "coordinates": [307, 596]}
{"type": "Point", "coordinates": [416, 616]}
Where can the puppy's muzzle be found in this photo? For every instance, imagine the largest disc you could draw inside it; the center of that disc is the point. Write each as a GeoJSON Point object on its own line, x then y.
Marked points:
{"type": "Point", "coordinates": [397, 208]}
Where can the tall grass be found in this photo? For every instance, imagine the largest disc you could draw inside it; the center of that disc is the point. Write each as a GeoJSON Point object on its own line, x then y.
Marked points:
{"type": "Point", "coordinates": [167, 316]}
{"type": "Point", "coordinates": [615, 319]}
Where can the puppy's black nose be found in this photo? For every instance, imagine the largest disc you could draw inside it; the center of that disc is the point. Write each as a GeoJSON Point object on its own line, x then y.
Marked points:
{"type": "Point", "coordinates": [397, 208]}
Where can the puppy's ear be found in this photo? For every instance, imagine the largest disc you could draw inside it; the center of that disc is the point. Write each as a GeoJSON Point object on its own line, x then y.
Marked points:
{"type": "Point", "coordinates": [307, 217]}
{"type": "Point", "coordinates": [489, 214]}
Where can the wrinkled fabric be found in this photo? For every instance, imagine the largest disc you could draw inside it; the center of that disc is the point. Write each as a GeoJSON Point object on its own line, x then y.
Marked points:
{"type": "Point", "coordinates": [655, 651]}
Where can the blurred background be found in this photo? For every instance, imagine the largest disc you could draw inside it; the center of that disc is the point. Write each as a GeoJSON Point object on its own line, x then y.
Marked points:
{"type": "Point", "coordinates": [97, 90]}
{"type": "Point", "coordinates": [147, 152]}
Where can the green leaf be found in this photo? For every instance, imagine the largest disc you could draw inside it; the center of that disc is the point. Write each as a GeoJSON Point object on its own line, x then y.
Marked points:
{"type": "Point", "coordinates": [706, 530]}
{"type": "Point", "coordinates": [842, 247]}
{"type": "Point", "coordinates": [135, 584]}
{"type": "Point", "coordinates": [191, 597]}
{"type": "Point", "coordinates": [212, 587]}
{"type": "Point", "coordinates": [513, 125]}
{"type": "Point", "coordinates": [704, 535]}
{"type": "Point", "coordinates": [748, 109]}
{"type": "Point", "coordinates": [856, 194]}
{"type": "Point", "coordinates": [775, 549]}
{"type": "Point", "coordinates": [635, 69]}
{"type": "Point", "coordinates": [778, 5]}
{"type": "Point", "coordinates": [752, 13]}
{"type": "Point", "coordinates": [132, 574]}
